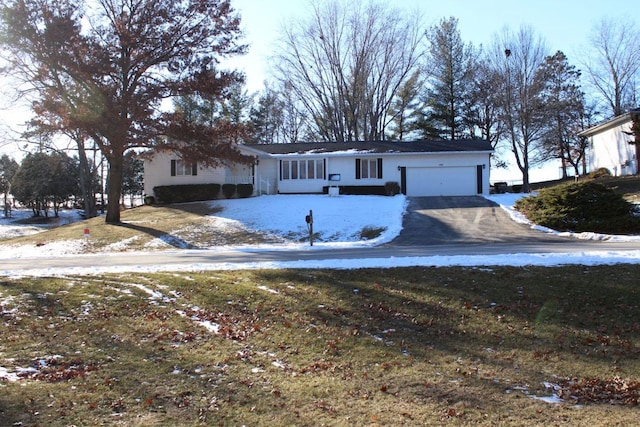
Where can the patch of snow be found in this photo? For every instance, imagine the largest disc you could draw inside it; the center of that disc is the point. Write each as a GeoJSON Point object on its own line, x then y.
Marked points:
{"type": "Point", "coordinates": [264, 288]}
{"type": "Point", "coordinates": [341, 217]}
{"type": "Point", "coordinates": [7, 375]}
{"type": "Point", "coordinates": [121, 245]}
{"type": "Point", "coordinates": [210, 326]}
{"type": "Point", "coordinates": [207, 324]}
{"type": "Point", "coordinates": [154, 295]}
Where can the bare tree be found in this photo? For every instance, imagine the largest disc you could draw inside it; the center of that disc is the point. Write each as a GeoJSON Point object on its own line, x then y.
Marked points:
{"type": "Point", "coordinates": [346, 64]}
{"type": "Point", "coordinates": [483, 114]}
{"type": "Point", "coordinates": [613, 67]}
{"type": "Point", "coordinates": [516, 57]}
{"type": "Point", "coordinates": [276, 117]}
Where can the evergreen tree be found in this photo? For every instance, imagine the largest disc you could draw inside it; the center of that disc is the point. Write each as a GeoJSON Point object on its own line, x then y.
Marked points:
{"type": "Point", "coordinates": [45, 181]}
{"type": "Point", "coordinates": [564, 105]}
{"type": "Point", "coordinates": [8, 168]}
{"type": "Point", "coordinates": [451, 80]}
{"type": "Point", "coordinates": [133, 174]}
{"type": "Point", "coordinates": [404, 112]}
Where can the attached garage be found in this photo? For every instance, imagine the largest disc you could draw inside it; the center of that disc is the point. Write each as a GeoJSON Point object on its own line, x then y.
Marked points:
{"type": "Point", "coordinates": [443, 181]}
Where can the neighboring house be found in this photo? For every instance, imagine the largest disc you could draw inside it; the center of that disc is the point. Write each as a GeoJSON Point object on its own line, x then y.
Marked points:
{"type": "Point", "coordinates": [609, 145]}
{"type": "Point", "coordinates": [424, 168]}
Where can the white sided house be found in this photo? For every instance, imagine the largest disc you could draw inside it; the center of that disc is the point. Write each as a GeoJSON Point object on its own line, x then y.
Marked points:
{"type": "Point", "coordinates": [422, 168]}
{"type": "Point", "coordinates": [166, 168]}
{"type": "Point", "coordinates": [609, 147]}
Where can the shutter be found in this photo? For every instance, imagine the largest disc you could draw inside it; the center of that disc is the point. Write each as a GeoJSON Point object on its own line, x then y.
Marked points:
{"type": "Point", "coordinates": [380, 168]}
{"type": "Point", "coordinates": [324, 168]}
{"type": "Point", "coordinates": [173, 168]}
{"type": "Point", "coordinates": [280, 170]}
{"type": "Point", "coordinates": [194, 168]}
{"type": "Point", "coordinates": [357, 168]}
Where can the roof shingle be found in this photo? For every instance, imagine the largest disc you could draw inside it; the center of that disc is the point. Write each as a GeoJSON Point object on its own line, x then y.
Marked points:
{"type": "Point", "coordinates": [430, 146]}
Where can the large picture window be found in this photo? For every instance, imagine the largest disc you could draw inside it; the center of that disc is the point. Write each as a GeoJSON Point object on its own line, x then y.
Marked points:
{"type": "Point", "coordinates": [302, 169]}
{"type": "Point", "coordinates": [181, 168]}
{"type": "Point", "coordinates": [369, 168]}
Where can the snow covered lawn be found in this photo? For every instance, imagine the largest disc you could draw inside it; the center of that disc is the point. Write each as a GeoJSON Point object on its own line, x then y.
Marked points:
{"type": "Point", "coordinates": [338, 220]}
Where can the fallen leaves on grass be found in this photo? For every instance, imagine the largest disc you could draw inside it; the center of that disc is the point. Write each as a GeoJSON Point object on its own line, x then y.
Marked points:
{"type": "Point", "coordinates": [615, 391]}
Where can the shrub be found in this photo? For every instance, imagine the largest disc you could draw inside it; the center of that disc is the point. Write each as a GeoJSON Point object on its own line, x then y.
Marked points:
{"type": "Point", "coordinates": [360, 190]}
{"type": "Point", "coordinates": [391, 188]}
{"type": "Point", "coordinates": [599, 173]}
{"type": "Point", "coordinates": [245, 190]}
{"type": "Point", "coordinates": [149, 200]}
{"type": "Point", "coordinates": [228, 190]}
{"type": "Point", "coordinates": [186, 193]}
{"type": "Point", "coordinates": [586, 206]}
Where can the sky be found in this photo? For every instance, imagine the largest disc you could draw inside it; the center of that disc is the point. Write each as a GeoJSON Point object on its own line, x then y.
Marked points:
{"type": "Point", "coordinates": [339, 219]}
{"type": "Point", "coordinates": [565, 24]}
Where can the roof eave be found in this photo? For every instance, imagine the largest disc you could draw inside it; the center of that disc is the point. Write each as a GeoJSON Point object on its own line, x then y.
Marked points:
{"type": "Point", "coordinates": [616, 121]}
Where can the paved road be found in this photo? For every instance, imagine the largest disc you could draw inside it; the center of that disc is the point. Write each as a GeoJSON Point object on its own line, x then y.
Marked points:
{"type": "Point", "coordinates": [433, 226]}
{"type": "Point", "coordinates": [182, 258]}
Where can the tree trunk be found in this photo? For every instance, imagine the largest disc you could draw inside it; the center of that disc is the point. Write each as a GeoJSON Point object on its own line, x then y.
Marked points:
{"type": "Point", "coordinates": [86, 181]}
{"type": "Point", "coordinates": [114, 184]}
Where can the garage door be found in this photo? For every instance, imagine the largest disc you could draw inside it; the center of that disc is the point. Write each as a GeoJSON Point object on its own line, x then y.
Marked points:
{"type": "Point", "coordinates": [442, 181]}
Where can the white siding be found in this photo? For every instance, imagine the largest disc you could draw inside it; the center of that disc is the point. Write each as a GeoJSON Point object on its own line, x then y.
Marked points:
{"type": "Point", "coordinates": [267, 176]}
{"type": "Point", "coordinates": [452, 173]}
{"type": "Point", "coordinates": [609, 148]}
{"type": "Point", "coordinates": [442, 181]}
{"type": "Point", "coordinates": [157, 172]}
{"type": "Point", "coordinates": [427, 173]}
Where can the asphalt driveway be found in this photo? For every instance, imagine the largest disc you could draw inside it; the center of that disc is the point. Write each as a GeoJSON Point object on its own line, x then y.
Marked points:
{"type": "Point", "coordinates": [473, 219]}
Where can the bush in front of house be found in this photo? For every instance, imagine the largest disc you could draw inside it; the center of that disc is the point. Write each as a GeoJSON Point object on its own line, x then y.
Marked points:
{"type": "Point", "coordinates": [244, 190]}
{"type": "Point", "coordinates": [391, 188]}
{"type": "Point", "coordinates": [600, 173]}
{"type": "Point", "coordinates": [228, 190]}
{"type": "Point", "coordinates": [186, 193]}
{"type": "Point", "coordinates": [360, 190]}
{"type": "Point", "coordinates": [583, 206]}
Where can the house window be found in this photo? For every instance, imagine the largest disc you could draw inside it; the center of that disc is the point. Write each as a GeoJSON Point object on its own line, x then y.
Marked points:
{"type": "Point", "coordinates": [369, 168]}
{"type": "Point", "coordinates": [302, 169]}
{"type": "Point", "coordinates": [180, 167]}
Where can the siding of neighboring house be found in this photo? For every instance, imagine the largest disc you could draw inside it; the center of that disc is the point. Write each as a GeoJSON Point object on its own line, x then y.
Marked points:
{"type": "Point", "coordinates": [609, 147]}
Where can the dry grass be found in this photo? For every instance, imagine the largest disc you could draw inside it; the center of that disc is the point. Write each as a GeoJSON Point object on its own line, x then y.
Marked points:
{"type": "Point", "coordinates": [186, 225]}
{"type": "Point", "coordinates": [410, 346]}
